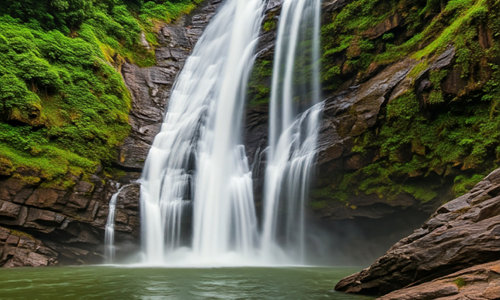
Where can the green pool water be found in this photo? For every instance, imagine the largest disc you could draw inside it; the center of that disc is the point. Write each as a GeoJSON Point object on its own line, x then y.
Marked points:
{"type": "Point", "coordinates": [164, 283]}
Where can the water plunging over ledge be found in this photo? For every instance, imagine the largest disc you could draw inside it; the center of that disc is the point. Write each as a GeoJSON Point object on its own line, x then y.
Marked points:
{"type": "Point", "coordinates": [294, 125]}
{"type": "Point", "coordinates": [197, 203]}
{"type": "Point", "coordinates": [197, 159]}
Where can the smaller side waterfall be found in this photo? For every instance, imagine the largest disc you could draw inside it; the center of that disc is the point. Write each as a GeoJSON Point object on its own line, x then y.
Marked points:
{"type": "Point", "coordinates": [109, 234]}
{"type": "Point", "coordinates": [294, 124]}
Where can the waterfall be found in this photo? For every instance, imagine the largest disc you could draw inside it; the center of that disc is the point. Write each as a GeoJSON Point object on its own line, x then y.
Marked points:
{"type": "Point", "coordinates": [197, 160]}
{"type": "Point", "coordinates": [294, 123]}
{"type": "Point", "coordinates": [109, 233]}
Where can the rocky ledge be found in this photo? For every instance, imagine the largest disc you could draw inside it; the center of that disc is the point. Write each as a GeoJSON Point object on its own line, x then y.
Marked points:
{"type": "Point", "coordinates": [458, 237]}
{"type": "Point", "coordinates": [480, 283]}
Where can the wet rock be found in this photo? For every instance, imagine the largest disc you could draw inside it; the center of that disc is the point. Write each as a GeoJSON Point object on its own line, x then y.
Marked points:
{"type": "Point", "coordinates": [8, 209]}
{"type": "Point", "coordinates": [351, 113]}
{"type": "Point", "coordinates": [27, 243]}
{"type": "Point", "coordinates": [460, 234]}
{"type": "Point", "coordinates": [150, 87]}
{"type": "Point", "coordinates": [78, 201]}
{"type": "Point", "coordinates": [12, 240]}
{"type": "Point", "coordinates": [25, 251]}
{"type": "Point", "coordinates": [4, 233]}
{"type": "Point", "coordinates": [43, 198]}
{"type": "Point", "coordinates": [329, 7]}
{"type": "Point", "coordinates": [84, 187]}
{"type": "Point", "coordinates": [37, 260]}
{"type": "Point", "coordinates": [454, 83]}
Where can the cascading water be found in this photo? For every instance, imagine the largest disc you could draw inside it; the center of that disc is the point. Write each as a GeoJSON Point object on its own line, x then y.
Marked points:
{"type": "Point", "coordinates": [294, 125]}
{"type": "Point", "coordinates": [109, 233]}
{"type": "Point", "coordinates": [197, 160]}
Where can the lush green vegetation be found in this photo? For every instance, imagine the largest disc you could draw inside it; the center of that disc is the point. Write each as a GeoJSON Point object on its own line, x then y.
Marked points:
{"type": "Point", "coordinates": [425, 142]}
{"type": "Point", "coordinates": [63, 104]}
{"type": "Point", "coordinates": [259, 86]}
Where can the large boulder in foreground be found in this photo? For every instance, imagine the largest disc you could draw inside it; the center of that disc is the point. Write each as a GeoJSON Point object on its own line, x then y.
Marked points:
{"type": "Point", "coordinates": [462, 233]}
{"type": "Point", "coordinates": [480, 282]}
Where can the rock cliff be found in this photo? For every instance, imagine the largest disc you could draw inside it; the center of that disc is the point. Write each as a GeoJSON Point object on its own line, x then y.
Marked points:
{"type": "Point", "coordinates": [42, 225]}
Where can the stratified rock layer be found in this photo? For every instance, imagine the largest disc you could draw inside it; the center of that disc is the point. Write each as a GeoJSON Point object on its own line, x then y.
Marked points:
{"type": "Point", "coordinates": [479, 282]}
{"type": "Point", "coordinates": [462, 233]}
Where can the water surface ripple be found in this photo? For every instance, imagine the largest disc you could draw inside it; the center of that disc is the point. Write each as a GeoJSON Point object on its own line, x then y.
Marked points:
{"type": "Point", "coordinates": [173, 284]}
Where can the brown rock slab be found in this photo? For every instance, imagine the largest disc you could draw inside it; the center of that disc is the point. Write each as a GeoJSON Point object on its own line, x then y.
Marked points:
{"type": "Point", "coordinates": [12, 240]}
{"type": "Point", "coordinates": [4, 233]}
{"type": "Point", "coordinates": [37, 260]}
{"type": "Point", "coordinates": [9, 209]}
{"type": "Point", "coordinates": [479, 282]}
{"type": "Point", "coordinates": [27, 243]}
{"type": "Point", "coordinates": [386, 25]}
{"type": "Point", "coordinates": [78, 201]}
{"type": "Point", "coordinates": [43, 197]}
{"type": "Point", "coordinates": [462, 233]}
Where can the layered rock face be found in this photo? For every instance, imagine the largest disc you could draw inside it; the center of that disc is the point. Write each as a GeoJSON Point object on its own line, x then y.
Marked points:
{"type": "Point", "coordinates": [480, 282]}
{"type": "Point", "coordinates": [460, 234]}
{"type": "Point", "coordinates": [64, 225]}
{"type": "Point", "coordinates": [150, 87]}
{"type": "Point", "coordinates": [42, 225]}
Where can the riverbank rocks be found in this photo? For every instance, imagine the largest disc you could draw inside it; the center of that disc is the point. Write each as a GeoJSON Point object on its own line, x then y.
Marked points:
{"type": "Point", "coordinates": [19, 249]}
{"type": "Point", "coordinates": [479, 282]}
{"type": "Point", "coordinates": [460, 234]}
{"type": "Point", "coordinates": [65, 223]}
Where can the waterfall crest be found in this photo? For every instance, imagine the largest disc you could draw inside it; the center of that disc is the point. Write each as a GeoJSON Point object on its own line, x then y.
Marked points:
{"type": "Point", "coordinates": [295, 113]}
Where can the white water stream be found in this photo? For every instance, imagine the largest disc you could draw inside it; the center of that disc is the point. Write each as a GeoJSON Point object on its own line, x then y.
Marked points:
{"type": "Point", "coordinates": [197, 160]}
{"type": "Point", "coordinates": [197, 203]}
{"type": "Point", "coordinates": [109, 233]}
{"type": "Point", "coordinates": [293, 129]}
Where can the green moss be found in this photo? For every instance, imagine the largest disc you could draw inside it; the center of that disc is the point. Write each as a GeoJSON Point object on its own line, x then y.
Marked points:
{"type": "Point", "coordinates": [388, 36]}
{"type": "Point", "coordinates": [464, 183]}
{"type": "Point", "coordinates": [421, 145]}
{"type": "Point", "coordinates": [63, 107]}
{"type": "Point", "coordinates": [269, 25]}
{"type": "Point", "coordinates": [21, 234]}
{"type": "Point", "coordinates": [460, 282]}
{"type": "Point", "coordinates": [317, 205]}
{"type": "Point", "coordinates": [259, 90]}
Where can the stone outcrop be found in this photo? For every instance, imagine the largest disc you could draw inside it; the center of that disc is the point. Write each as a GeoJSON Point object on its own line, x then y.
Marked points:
{"type": "Point", "coordinates": [64, 224]}
{"type": "Point", "coordinates": [20, 249]}
{"type": "Point", "coordinates": [352, 111]}
{"type": "Point", "coordinates": [460, 234]}
{"type": "Point", "coordinates": [480, 282]}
